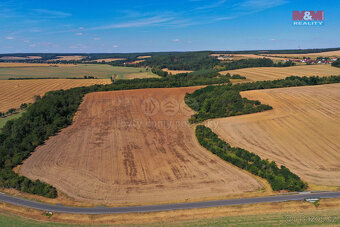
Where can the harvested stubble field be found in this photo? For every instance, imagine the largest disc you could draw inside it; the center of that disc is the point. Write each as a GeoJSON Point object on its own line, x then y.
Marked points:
{"type": "Point", "coordinates": [244, 56]}
{"type": "Point", "coordinates": [143, 57]}
{"type": "Point", "coordinates": [18, 65]}
{"type": "Point", "coordinates": [20, 70]}
{"type": "Point", "coordinates": [311, 55]}
{"type": "Point", "coordinates": [109, 59]}
{"type": "Point", "coordinates": [134, 147]}
{"type": "Point", "coordinates": [302, 131]}
{"type": "Point", "coordinates": [273, 73]}
{"type": "Point", "coordinates": [174, 72]}
{"type": "Point", "coordinates": [15, 92]}
{"type": "Point", "coordinates": [14, 58]}
{"type": "Point", "coordinates": [68, 58]}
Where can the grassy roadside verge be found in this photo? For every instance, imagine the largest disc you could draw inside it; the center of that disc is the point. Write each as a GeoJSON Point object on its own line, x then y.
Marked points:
{"type": "Point", "coordinates": [294, 213]}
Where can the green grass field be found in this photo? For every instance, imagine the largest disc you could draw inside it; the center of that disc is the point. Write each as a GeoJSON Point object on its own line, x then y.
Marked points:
{"type": "Point", "coordinates": [3, 121]}
{"type": "Point", "coordinates": [312, 218]}
{"type": "Point", "coordinates": [80, 70]}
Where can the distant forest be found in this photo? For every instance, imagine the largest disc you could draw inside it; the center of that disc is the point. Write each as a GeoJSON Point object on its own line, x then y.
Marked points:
{"type": "Point", "coordinates": [172, 60]}
{"type": "Point", "coordinates": [94, 56]}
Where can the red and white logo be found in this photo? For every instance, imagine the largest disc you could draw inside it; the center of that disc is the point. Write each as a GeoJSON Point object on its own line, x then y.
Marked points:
{"type": "Point", "coordinates": [308, 17]}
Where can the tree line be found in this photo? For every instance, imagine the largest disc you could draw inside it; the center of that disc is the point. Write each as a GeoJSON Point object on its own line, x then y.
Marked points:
{"type": "Point", "coordinates": [184, 61]}
{"type": "Point", "coordinates": [251, 62]}
{"type": "Point", "coordinates": [220, 101]}
{"type": "Point", "coordinates": [11, 111]}
{"type": "Point", "coordinates": [202, 61]}
{"type": "Point", "coordinates": [279, 178]}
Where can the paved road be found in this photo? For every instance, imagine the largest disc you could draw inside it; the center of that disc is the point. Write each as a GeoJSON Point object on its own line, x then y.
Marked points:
{"type": "Point", "coordinates": [163, 207]}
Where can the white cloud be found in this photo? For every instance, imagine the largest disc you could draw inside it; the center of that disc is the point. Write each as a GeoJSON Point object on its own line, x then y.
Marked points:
{"type": "Point", "coordinates": [10, 37]}
{"type": "Point", "coordinates": [45, 13]}
{"type": "Point", "coordinates": [33, 45]}
{"type": "Point", "coordinates": [78, 33]}
{"type": "Point", "coordinates": [175, 40]}
{"type": "Point", "coordinates": [96, 38]}
{"type": "Point", "coordinates": [259, 5]}
{"type": "Point", "coordinates": [213, 5]}
{"type": "Point", "coordinates": [224, 18]}
{"type": "Point", "coordinates": [115, 46]}
{"type": "Point", "coordinates": [156, 20]}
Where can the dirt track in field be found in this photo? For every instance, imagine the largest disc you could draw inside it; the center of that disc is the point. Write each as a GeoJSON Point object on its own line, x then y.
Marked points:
{"type": "Point", "coordinates": [134, 147]}
{"type": "Point", "coordinates": [274, 73]}
{"type": "Point", "coordinates": [302, 132]}
{"type": "Point", "coordinates": [15, 92]}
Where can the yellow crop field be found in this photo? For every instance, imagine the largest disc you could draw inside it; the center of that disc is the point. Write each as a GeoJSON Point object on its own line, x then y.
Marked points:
{"type": "Point", "coordinates": [174, 72]}
{"type": "Point", "coordinates": [273, 73]}
{"type": "Point", "coordinates": [301, 132]}
{"type": "Point", "coordinates": [244, 56]}
{"type": "Point", "coordinates": [143, 57]}
{"type": "Point", "coordinates": [68, 58]}
{"type": "Point", "coordinates": [19, 58]}
{"type": "Point", "coordinates": [19, 65]}
{"type": "Point", "coordinates": [15, 92]}
{"type": "Point", "coordinates": [322, 54]}
{"type": "Point", "coordinates": [100, 71]}
{"type": "Point", "coordinates": [109, 59]}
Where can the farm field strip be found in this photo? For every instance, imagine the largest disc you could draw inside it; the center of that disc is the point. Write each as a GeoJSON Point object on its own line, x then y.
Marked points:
{"type": "Point", "coordinates": [68, 58]}
{"type": "Point", "coordinates": [15, 92]}
{"type": "Point", "coordinates": [15, 65]}
{"type": "Point", "coordinates": [109, 59]}
{"type": "Point", "coordinates": [100, 71]}
{"type": "Point", "coordinates": [174, 72]}
{"type": "Point", "coordinates": [244, 56]}
{"type": "Point", "coordinates": [20, 58]}
{"type": "Point", "coordinates": [273, 73]}
{"type": "Point", "coordinates": [322, 54]}
{"type": "Point", "coordinates": [134, 147]}
{"type": "Point", "coordinates": [301, 132]}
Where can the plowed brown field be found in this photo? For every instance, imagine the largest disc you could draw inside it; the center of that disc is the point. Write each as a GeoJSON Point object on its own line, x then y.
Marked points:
{"type": "Point", "coordinates": [273, 73]}
{"type": "Point", "coordinates": [302, 132]}
{"type": "Point", "coordinates": [15, 92]}
{"type": "Point", "coordinates": [128, 147]}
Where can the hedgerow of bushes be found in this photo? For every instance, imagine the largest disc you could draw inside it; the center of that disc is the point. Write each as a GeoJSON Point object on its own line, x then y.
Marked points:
{"type": "Point", "coordinates": [279, 178]}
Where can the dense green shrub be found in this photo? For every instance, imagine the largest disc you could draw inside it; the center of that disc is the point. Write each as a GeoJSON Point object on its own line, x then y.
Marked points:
{"type": "Point", "coordinates": [220, 101]}
{"type": "Point", "coordinates": [336, 63]}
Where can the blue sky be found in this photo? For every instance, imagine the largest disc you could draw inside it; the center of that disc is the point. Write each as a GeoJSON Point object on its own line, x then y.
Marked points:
{"type": "Point", "coordinates": [162, 25]}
